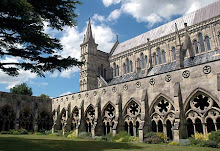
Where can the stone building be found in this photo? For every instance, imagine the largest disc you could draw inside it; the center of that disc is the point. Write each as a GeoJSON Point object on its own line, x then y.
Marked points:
{"type": "Point", "coordinates": [27, 112]}
{"type": "Point", "coordinates": [165, 80]}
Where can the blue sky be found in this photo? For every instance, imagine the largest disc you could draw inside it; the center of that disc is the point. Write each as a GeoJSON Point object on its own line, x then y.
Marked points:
{"type": "Point", "coordinates": [126, 18]}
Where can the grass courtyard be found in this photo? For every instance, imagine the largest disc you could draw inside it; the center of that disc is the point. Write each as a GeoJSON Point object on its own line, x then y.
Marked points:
{"type": "Point", "coordinates": [52, 143]}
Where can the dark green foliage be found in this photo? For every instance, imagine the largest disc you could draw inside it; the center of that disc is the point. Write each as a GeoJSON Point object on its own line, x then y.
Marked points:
{"type": "Point", "coordinates": [44, 96]}
{"type": "Point", "coordinates": [22, 34]}
{"type": "Point", "coordinates": [83, 135]}
{"type": "Point", "coordinates": [211, 143]}
{"type": "Point", "coordinates": [5, 132]}
{"type": "Point", "coordinates": [198, 143]}
{"type": "Point", "coordinates": [215, 136]}
{"type": "Point", "coordinates": [14, 132]}
{"type": "Point", "coordinates": [152, 138]}
{"type": "Point", "coordinates": [22, 89]}
{"type": "Point", "coordinates": [68, 133]}
{"type": "Point", "coordinates": [23, 131]}
{"type": "Point", "coordinates": [124, 137]}
{"type": "Point", "coordinates": [184, 142]}
{"type": "Point", "coordinates": [48, 132]}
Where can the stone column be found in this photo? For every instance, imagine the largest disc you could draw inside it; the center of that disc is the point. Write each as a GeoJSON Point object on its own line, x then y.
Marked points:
{"type": "Point", "coordinates": [165, 129]}
{"type": "Point", "coordinates": [215, 126]}
{"type": "Point", "coordinates": [17, 119]}
{"type": "Point", "coordinates": [204, 126]}
{"type": "Point", "coordinates": [176, 135]}
{"type": "Point", "coordinates": [134, 130]}
{"type": "Point", "coordinates": [141, 132]}
{"type": "Point", "coordinates": [93, 131]}
{"type": "Point", "coordinates": [53, 127]}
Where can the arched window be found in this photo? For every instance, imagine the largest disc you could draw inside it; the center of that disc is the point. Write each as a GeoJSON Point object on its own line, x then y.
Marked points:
{"type": "Point", "coordinates": [114, 69]}
{"type": "Point", "coordinates": [131, 66]}
{"type": "Point", "coordinates": [124, 68]}
{"type": "Point", "coordinates": [174, 53]}
{"type": "Point", "coordinates": [155, 58]}
{"type": "Point", "coordinates": [201, 42]}
{"type": "Point", "coordinates": [196, 46]}
{"type": "Point", "coordinates": [145, 59]}
{"type": "Point", "coordinates": [138, 63]}
{"type": "Point", "coordinates": [117, 70]}
{"type": "Point", "coordinates": [208, 46]}
{"type": "Point", "coordinates": [127, 65]}
{"type": "Point", "coordinates": [102, 70]}
{"type": "Point", "coordinates": [142, 61]}
{"type": "Point", "coordinates": [159, 55]}
{"type": "Point", "coordinates": [164, 56]}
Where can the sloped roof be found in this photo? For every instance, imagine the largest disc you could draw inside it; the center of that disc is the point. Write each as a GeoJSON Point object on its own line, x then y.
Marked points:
{"type": "Point", "coordinates": [169, 67]}
{"type": "Point", "coordinates": [200, 15]}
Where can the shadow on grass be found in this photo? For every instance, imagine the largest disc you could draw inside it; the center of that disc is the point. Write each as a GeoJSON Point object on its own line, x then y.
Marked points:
{"type": "Point", "coordinates": [23, 144]}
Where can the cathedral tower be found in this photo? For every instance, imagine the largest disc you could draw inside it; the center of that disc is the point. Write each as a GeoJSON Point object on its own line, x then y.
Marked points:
{"type": "Point", "coordinates": [88, 72]}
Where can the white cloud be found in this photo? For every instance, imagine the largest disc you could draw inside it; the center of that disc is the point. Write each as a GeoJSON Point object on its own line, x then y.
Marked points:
{"type": "Point", "coordinates": [107, 3]}
{"type": "Point", "coordinates": [24, 76]}
{"type": "Point", "coordinates": [97, 17]}
{"type": "Point", "coordinates": [157, 10]}
{"type": "Point", "coordinates": [66, 93]}
{"type": "Point", "coordinates": [114, 15]}
{"type": "Point", "coordinates": [69, 72]}
{"type": "Point", "coordinates": [71, 38]}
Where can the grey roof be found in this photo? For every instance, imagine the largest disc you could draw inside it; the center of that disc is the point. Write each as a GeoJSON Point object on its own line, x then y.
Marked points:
{"type": "Point", "coordinates": [171, 66]}
{"type": "Point", "coordinates": [193, 18]}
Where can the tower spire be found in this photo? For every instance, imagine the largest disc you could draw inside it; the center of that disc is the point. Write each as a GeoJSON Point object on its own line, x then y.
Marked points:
{"type": "Point", "coordinates": [88, 36]}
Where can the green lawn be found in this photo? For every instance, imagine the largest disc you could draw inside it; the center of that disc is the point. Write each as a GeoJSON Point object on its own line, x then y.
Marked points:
{"type": "Point", "coordinates": [50, 143]}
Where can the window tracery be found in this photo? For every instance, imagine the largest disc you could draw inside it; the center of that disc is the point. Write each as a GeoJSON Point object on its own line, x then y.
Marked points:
{"type": "Point", "coordinates": [202, 114]}
{"type": "Point", "coordinates": [163, 117]}
{"type": "Point", "coordinates": [108, 118]}
{"type": "Point", "coordinates": [132, 118]}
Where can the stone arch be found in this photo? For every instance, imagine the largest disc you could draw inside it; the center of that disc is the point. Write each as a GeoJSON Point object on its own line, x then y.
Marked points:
{"type": "Point", "coordinates": [7, 118]}
{"type": "Point", "coordinates": [75, 118]}
{"type": "Point", "coordinates": [161, 95]}
{"type": "Point", "coordinates": [108, 117]}
{"type": "Point", "coordinates": [89, 117]}
{"type": "Point", "coordinates": [162, 113]}
{"type": "Point", "coordinates": [26, 119]}
{"type": "Point", "coordinates": [44, 120]}
{"type": "Point", "coordinates": [132, 115]}
{"type": "Point", "coordinates": [200, 90]}
{"type": "Point", "coordinates": [62, 118]}
{"type": "Point", "coordinates": [203, 110]}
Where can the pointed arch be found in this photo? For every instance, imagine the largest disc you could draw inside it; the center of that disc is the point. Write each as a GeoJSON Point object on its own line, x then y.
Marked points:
{"type": "Point", "coordinates": [207, 41]}
{"type": "Point", "coordinates": [124, 68]}
{"type": "Point", "coordinates": [7, 118]}
{"type": "Point", "coordinates": [201, 42]}
{"type": "Point", "coordinates": [127, 65]}
{"type": "Point", "coordinates": [114, 70]}
{"type": "Point", "coordinates": [155, 58]}
{"type": "Point", "coordinates": [173, 49]}
{"type": "Point", "coordinates": [196, 48]}
{"type": "Point", "coordinates": [194, 92]}
{"type": "Point", "coordinates": [26, 119]}
{"type": "Point", "coordinates": [117, 70]}
{"type": "Point", "coordinates": [131, 66]}
{"type": "Point", "coordinates": [128, 103]}
{"type": "Point", "coordinates": [44, 120]}
{"type": "Point", "coordinates": [108, 103]}
{"type": "Point", "coordinates": [159, 55]}
{"type": "Point", "coordinates": [89, 106]}
{"type": "Point", "coordinates": [163, 56]}
{"type": "Point", "coordinates": [157, 98]}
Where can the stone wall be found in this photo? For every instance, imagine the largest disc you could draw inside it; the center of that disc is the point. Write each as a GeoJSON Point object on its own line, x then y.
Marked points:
{"type": "Point", "coordinates": [136, 104]}
{"type": "Point", "coordinates": [28, 112]}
